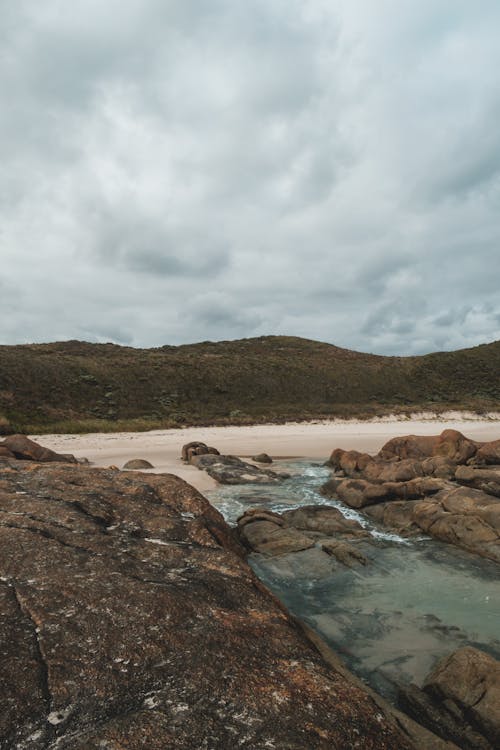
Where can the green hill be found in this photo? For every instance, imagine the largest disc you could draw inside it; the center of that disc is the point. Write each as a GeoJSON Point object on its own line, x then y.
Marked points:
{"type": "Point", "coordinates": [75, 386]}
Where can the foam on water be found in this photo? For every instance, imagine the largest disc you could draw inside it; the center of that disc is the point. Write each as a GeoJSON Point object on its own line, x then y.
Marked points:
{"type": "Point", "coordinates": [416, 600]}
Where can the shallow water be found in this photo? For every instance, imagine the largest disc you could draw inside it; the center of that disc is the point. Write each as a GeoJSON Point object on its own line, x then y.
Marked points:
{"type": "Point", "coordinates": [391, 620]}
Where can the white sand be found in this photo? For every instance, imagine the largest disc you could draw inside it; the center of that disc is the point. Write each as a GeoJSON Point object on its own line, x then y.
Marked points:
{"type": "Point", "coordinates": [314, 440]}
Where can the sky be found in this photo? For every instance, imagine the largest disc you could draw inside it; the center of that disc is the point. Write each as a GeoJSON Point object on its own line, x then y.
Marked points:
{"type": "Point", "coordinates": [176, 171]}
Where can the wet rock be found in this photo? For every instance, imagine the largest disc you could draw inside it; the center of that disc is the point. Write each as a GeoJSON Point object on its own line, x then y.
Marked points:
{"type": "Point", "coordinates": [359, 493]}
{"type": "Point", "coordinates": [426, 470]}
{"type": "Point", "coordinates": [138, 463]}
{"type": "Point", "coordinates": [232, 470]}
{"type": "Point", "coordinates": [461, 516]}
{"type": "Point", "coordinates": [460, 699]}
{"type": "Point", "coordinates": [323, 519]}
{"type": "Point", "coordinates": [345, 553]}
{"type": "Point", "coordinates": [130, 619]}
{"type": "Point", "coordinates": [262, 458]}
{"type": "Point", "coordinates": [445, 720]}
{"type": "Point", "coordinates": [296, 530]}
{"type": "Point", "coordinates": [27, 450]}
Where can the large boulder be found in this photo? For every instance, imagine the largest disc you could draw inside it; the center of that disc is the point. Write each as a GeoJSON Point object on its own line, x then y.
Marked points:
{"type": "Point", "coordinates": [130, 619]}
{"type": "Point", "coordinates": [408, 446]}
{"type": "Point", "coordinates": [450, 444]}
{"type": "Point", "coordinates": [460, 699]}
{"type": "Point", "coordinates": [27, 450]}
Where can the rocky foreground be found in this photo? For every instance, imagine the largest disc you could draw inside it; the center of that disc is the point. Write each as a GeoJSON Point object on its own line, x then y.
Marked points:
{"type": "Point", "coordinates": [130, 619]}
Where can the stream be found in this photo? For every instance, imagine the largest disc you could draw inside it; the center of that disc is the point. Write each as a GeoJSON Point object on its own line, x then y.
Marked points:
{"type": "Point", "coordinates": [415, 601]}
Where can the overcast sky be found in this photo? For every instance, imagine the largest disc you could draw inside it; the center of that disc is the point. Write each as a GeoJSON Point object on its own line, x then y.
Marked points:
{"type": "Point", "coordinates": [181, 170]}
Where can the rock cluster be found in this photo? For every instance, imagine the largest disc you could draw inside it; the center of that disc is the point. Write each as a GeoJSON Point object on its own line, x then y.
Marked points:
{"type": "Point", "coordinates": [24, 449]}
{"type": "Point", "coordinates": [131, 619]}
{"type": "Point", "coordinates": [227, 469]}
{"type": "Point", "coordinates": [318, 526]}
{"type": "Point", "coordinates": [460, 699]}
{"type": "Point", "coordinates": [446, 486]}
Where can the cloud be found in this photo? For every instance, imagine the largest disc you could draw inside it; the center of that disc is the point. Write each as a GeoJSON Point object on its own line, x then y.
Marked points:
{"type": "Point", "coordinates": [181, 171]}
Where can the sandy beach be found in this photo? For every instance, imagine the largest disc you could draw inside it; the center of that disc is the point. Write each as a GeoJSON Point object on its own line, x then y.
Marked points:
{"type": "Point", "coordinates": [314, 440]}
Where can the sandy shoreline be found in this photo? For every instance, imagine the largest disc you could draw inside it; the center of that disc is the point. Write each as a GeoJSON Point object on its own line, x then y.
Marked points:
{"type": "Point", "coordinates": [314, 440]}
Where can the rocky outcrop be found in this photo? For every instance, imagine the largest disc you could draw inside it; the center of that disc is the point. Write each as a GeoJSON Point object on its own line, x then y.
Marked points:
{"type": "Point", "coordinates": [416, 485]}
{"type": "Point", "coordinates": [318, 526]}
{"type": "Point", "coordinates": [460, 699]}
{"type": "Point", "coordinates": [138, 464]}
{"type": "Point", "coordinates": [130, 619]}
{"type": "Point", "coordinates": [23, 448]}
{"type": "Point", "coordinates": [232, 470]}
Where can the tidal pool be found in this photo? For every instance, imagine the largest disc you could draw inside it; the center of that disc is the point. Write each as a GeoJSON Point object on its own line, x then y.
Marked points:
{"type": "Point", "coordinates": [392, 619]}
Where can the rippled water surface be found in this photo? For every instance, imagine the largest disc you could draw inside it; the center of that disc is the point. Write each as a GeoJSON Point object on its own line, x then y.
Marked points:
{"type": "Point", "coordinates": [391, 620]}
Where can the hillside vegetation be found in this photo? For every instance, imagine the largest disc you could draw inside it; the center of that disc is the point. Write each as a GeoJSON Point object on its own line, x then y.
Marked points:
{"type": "Point", "coordinates": [75, 386]}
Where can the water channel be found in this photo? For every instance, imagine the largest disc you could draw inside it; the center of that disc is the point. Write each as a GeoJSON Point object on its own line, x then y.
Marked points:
{"type": "Point", "coordinates": [391, 620]}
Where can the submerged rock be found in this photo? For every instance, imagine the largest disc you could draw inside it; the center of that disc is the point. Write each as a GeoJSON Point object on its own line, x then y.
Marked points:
{"type": "Point", "coordinates": [130, 619]}
{"type": "Point", "coordinates": [262, 458]}
{"type": "Point", "coordinates": [232, 470]}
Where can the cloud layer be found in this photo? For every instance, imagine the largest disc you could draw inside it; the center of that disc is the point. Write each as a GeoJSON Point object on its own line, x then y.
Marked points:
{"type": "Point", "coordinates": [180, 171]}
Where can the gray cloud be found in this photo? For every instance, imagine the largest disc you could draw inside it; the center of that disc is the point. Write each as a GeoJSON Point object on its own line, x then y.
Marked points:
{"type": "Point", "coordinates": [181, 171]}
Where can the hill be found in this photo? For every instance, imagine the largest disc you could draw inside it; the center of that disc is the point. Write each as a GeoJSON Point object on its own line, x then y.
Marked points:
{"type": "Point", "coordinates": [75, 386]}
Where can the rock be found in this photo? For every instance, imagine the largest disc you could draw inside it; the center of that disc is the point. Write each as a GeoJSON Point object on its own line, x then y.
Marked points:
{"type": "Point", "coordinates": [358, 493]}
{"type": "Point", "coordinates": [488, 453]}
{"type": "Point", "coordinates": [296, 530]}
{"type": "Point", "coordinates": [27, 450]}
{"type": "Point", "coordinates": [232, 470]}
{"type": "Point", "coordinates": [262, 458]}
{"type": "Point", "coordinates": [352, 463]}
{"type": "Point", "coordinates": [455, 446]}
{"type": "Point", "coordinates": [271, 539]}
{"type": "Point", "coordinates": [450, 444]}
{"type": "Point", "coordinates": [471, 679]}
{"type": "Point", "coordinates": [323, 519]}
{"type": "Point", "coordinates": [445, 720]}
{"type": "Point", "coordinates": [487, 480]}
{"type": "Point", "coordinates": [460, 700]}
{"type": "Point", "coordinates": [138, 463]}
{"type": "Point", "coordinates": [408, 446]}
{"type": "Point", "coordinates": [130, 619]}
{"type": "Point", "coordinates": [345, 553]}
{"type": "Point", "coordinates": [196, 448]}
{"type": "Point", "coordinates": [5, 452]}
